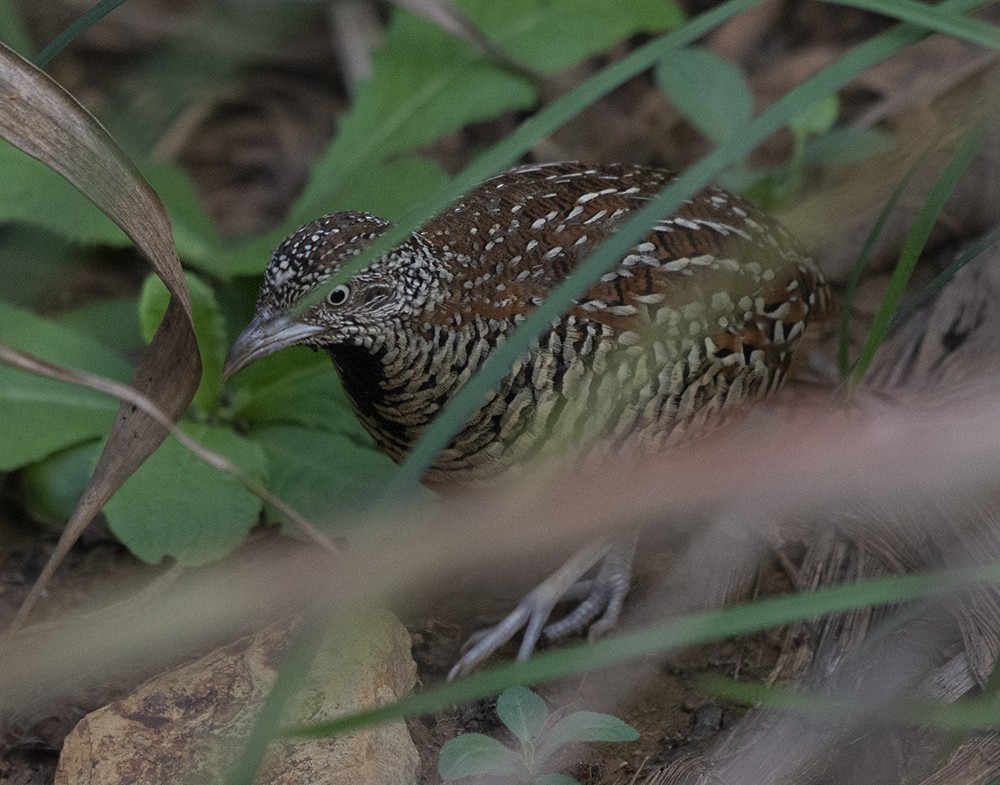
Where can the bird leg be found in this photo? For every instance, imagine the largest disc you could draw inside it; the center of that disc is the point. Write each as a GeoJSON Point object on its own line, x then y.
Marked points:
{"type": "Point", "coordinates": [601, 598]}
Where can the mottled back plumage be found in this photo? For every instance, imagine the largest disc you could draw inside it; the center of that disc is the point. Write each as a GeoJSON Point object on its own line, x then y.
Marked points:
{"type": "Point", "coordinates": [701, 315]}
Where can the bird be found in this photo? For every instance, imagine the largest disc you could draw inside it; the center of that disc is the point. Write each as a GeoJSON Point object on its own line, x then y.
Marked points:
{"type": "Point", "coordinates": [699, 319]}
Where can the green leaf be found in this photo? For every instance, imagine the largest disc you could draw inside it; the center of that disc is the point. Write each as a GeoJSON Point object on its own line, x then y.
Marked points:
{"type": "Point", "coordinates": [176, 505]}
{"type": "Point", "coordinates": [671, 635]}
{"type": "Point", "coordinates": [473, 754]}
{"type": "Point", "coordinates": [34, 195]}
{"type": "Point", "coordinates": [523, 711]}
{"type": "Point", "coordinates": [846, 145]}
{"type": "Point", "coordinates": [41, 416]}
{"type": "Point", "coordinates": [194, 233]}
{"type": "Point", "coordinates": [710, 92]}
{"type": "Point", "coordinates": [209, 329]}
{"type": "Point", "coordinates": [45, 254]}
{"type": "Point", "coordinates": [52, 487]}
{"type": "Point", "coordinates": [550, 35]}
{"type": "Point", "coordinates": [950, 21]}
{"type": "Point", "coordinates": [556, 779]}
{"type": "Point", "coordinates": [112, 323]}
{"type": "Point", "coordinates": [294, 386]}
{"type": "Point", "coordinates": [584, 726]}
{"type": "Point", "coordinates": [926, 292]}
{"type": "Point", "coordinates": [31, 193]}
{"type": "Point", "coordinates": [410, 177]}
{"type": "Point", "coordinates": [426, 82]}
{"type": "Point", "coordinates": [854, 277]}
{"type": "Point", "coordinates": [321, 474]}
{"type": "Point", "coordinates": [13, 31]}
{"type": "Point", "coordinates": [817, 119]}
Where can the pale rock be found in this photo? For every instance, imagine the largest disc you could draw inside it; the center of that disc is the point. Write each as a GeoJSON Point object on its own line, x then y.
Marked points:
{"type": "Point", "coordinates": [184, 726]}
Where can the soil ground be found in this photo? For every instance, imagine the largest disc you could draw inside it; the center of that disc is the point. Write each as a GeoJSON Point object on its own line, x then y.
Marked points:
{"type": "Point", "coordinates": [664, 701]}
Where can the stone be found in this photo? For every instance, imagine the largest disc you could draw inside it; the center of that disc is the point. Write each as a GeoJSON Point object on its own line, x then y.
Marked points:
{"type": "Point", "coordinates": [185, 725]}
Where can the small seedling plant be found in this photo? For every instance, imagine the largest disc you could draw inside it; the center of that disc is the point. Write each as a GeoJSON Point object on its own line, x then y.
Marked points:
{"type": "Point", "coordinates": [541, 738]}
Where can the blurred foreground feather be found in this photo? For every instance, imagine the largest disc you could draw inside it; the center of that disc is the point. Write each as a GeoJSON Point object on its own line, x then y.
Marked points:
{"type": "Point", "coordinates": [913, 482]}
{"type": "Point", "coordinates": [900, 480]}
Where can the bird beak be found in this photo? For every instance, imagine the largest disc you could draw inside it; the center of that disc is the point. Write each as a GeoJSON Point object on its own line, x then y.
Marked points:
{"type": "Point", "coordinates": [264, 336]}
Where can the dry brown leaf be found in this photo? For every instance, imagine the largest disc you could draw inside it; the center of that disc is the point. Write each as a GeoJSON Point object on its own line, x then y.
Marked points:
{"type": "Point", "coordinates": [42, 119]}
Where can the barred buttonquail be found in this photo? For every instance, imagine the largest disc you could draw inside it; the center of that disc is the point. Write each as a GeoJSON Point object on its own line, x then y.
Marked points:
{"type": "Point", "coordinates": [698, 318]}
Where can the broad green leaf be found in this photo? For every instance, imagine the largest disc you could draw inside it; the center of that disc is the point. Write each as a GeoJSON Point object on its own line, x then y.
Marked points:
{"type": "Point", "coordinates": [523, 711]}
{"type": "Point", "coordinates": [583, 726]}
{"type": "Point", "coordinates": [13, 31]}
{"type": "Point", "coordinates": [176, 505]}
{"type": "Point", "coordinates": [817, 119]}
{"type": "Point", "coordinates": [556, 779]}
{"type": "Point", "coordinates": [40, 416]}
{"type": "Point", "coordinates": [34, 195]}
{"type": "Point", "coordinates": [194, 233]}
{"type": "Point", "coordinates": [550, 35]}
{"type": "Point", "coordinates": [472, 755]}
{"type": "Point", "coordinates": [209, 329]}
{"type": "Point", "coordinates": [321, 474]}
{"type": "Point", "coordinates": [710, 92]}
{"type": "Point", "coordinates": [52, 487]}
{"type": "Point", "coordinates": [46, 255]}
{"type": "Point", "coordinates": [112, 323]}
{"type": "Point", "coordinates": [426, 82]}
{"type": "Point", "coordinates": [31, 193]}
{"type": "Point", "coordinates": [295, 387]}
{"type": "Point", "coordinates": [247, 257]}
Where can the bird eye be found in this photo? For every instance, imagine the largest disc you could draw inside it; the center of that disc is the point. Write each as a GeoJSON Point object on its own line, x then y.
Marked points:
{"type": "Point", "coordinates": [339, 295]}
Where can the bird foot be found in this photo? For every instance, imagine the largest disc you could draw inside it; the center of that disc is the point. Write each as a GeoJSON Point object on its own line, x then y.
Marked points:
{"type": "Point", "coordinates": [601, 599]}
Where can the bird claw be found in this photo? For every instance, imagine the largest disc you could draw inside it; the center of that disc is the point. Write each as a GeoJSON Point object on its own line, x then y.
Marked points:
{"type": "Point", "coordinates": [601, 598]}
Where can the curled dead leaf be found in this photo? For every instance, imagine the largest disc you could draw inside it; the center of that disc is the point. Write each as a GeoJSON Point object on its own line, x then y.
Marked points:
{"type": "Point", "coordinates": [39, 117]}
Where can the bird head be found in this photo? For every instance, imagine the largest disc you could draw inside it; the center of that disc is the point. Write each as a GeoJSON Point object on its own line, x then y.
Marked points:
{"type": "Point", "coordinates": [351, 311]}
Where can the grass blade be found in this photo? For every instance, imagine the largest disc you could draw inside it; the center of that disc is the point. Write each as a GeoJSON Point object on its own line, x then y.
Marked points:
{"type": "Point", "coordinates": [85, 20]}
{"type": "Point", "coordinates": [914, 245]}
{"type": "Point", "coordinates": [931, 17]}
{"type": "Point", "coordinates": [675, 633]}
{"type": "Point", "coordinates": [976, 714]}
{"type": "Point", "coordinates": [939, 280]}
{"type": "Point", "coordinates": [851, 289]}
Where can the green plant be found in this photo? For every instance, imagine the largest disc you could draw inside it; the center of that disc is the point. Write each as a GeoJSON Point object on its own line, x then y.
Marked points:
{"type": "Point", "coordinates": [541, 738]}
{"type": "Point", "coordinates": [285, 421]}
{"type": "Point", "coordinates": [713, 95]}
{"type": "Point", "coordinates": [889, 315]}
{"type": "Point", "coordinates": [32, 196]}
